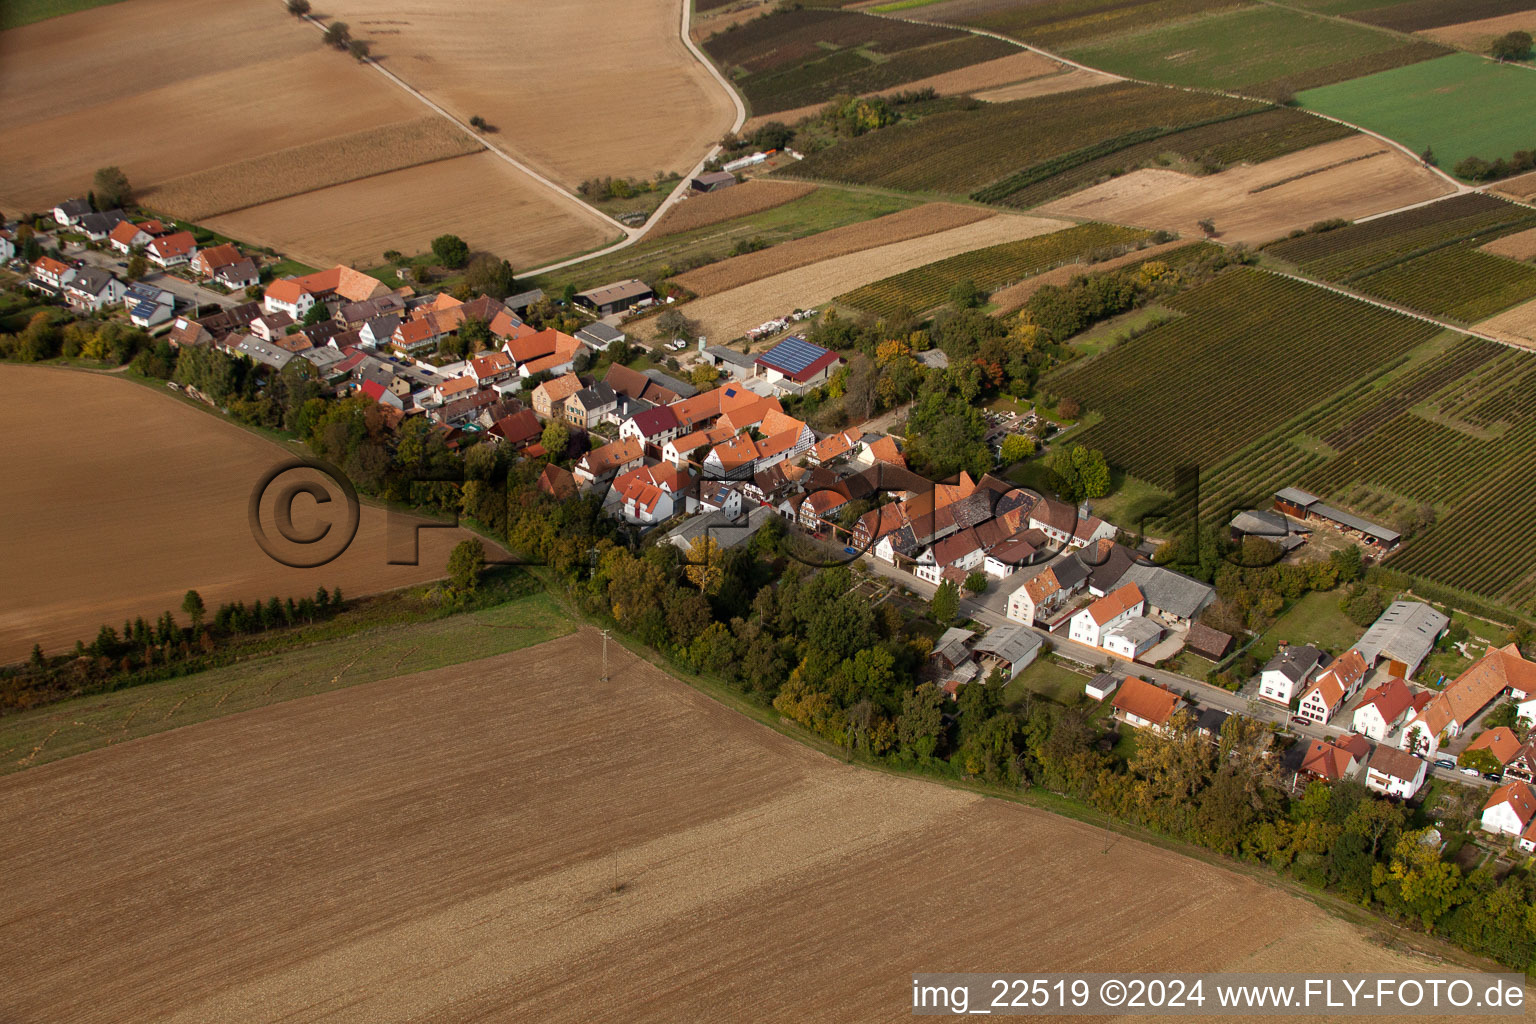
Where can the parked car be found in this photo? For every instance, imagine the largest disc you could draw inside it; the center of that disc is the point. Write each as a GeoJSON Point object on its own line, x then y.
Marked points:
{"type": "Point", "coordinates": [1471, 771]}
{"type": "Point", "coordinates": [1491, 777]}
{"type": "Point", "coordinates": [1444, 762]}
{"type": "Point", "coordinates": [1300, 720]}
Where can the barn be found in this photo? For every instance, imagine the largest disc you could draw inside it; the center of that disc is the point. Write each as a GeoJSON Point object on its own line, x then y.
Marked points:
{"type": "Point", "coordinates": [712, 181]}
{"type": "Point", "coordinates": [617, 297]}
{"type": "Point", "coordinates": [795, 361]}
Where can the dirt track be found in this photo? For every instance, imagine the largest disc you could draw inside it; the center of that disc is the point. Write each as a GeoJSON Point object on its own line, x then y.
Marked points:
{"type": "Point", "coordinates": [118, 513]}
{"type": "Point", "coordinates": [1258, 203]}
{"type": "Point", "coordinates": [444, 846]}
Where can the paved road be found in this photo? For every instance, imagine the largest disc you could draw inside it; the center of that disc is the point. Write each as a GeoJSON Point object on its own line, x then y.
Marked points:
{"type": "Point", "coordinates": [988, 609]}
{"type": "Point", "coordinates": [187, 292]}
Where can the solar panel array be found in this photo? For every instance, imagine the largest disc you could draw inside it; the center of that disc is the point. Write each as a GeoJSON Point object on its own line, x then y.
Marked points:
{"type": "Point", "coordinates": [793, 354]}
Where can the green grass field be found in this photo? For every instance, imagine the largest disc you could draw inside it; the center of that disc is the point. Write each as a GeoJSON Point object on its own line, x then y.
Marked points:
{"type": "Point", "coordinates": [819, 211]}
{"type": "Point", "coordinates": [382, 652]}
{"type": "Point", "coordinates": [1461, 105]}
{"type": "Point", "coordinates": [1046, 679]}
{"type": "Point", "coordinates": [1245, 49]}
{"type": "Point", "coordinates": [15, 13]}
{"type": "Point", "coordinates": [1314, 619]}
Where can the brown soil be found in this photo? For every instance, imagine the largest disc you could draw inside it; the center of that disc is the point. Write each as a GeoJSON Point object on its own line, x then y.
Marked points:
{"type": "Point", "coordinates": [1478, 35]}
{"type": "Point", "coordinates": [1015, 295]}
{"type": "Point", "coordinates": [118, 500]}
{"type": "Point", "coordinates": [894, 227]}
{"type": "Point", "coordinates": [1519, 246]}
{"type": "Point", "coordinates": [1377, 180]}
{"type": "Point", "coordinates": [1516, 326]}
{"type": "Point", "coordinates": [987, 75]}
{"type": "Point", "coordinates": [754, 196]}
{"type": "Point", "coordinates": [730, 314]}
{"type": "Point", "coordinates": [513, 839]}
{"type": "Point", "coordinates": [1521, 186]}
{"type": "Point", "coordinates": [1069, 81]}
{"type": "Point", "coordinates": [235, 81]}
{"type": "Point", "coordinates": [481, 198]}
{"type": "Point", "coordinates": [576, 89]}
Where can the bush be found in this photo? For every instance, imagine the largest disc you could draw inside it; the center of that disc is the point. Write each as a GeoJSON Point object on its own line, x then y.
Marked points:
{"type": "Point", "coordinates": [1512, 46]}
{"type": "Point", "coordinates": [451, 251]}
{"type": "Point", "coordinates": [337, 34]}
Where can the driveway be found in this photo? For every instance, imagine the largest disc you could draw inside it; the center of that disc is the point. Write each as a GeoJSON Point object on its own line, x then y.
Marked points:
{"type": "Point", "coordinates": [186, 292]}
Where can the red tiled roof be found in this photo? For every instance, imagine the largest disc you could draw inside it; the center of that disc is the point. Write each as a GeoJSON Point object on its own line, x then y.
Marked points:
{"type": "Point", "coordinates": [178, 244]}
{"type": "Point", "coordinates": [1117, 602]}
{"type": "Point", "coordinates": [1501, 742]}
{"type": "Point", "coordinates": [1146, 700]}
{"type": "Point", "coordinates": [1519, 797]}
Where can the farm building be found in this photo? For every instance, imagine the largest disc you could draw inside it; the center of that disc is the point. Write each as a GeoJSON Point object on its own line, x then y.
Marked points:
{"type": "Point", "coordinates": [1443, 718]}
{"type": "Point", "coordinates": [1404, 635]}
{"type": "Point", "coordinates": [737, 365]}
{"type": "Point", "coordinates": [1208, 643]}
{"type": "Point", "coordinates": [1170, 595]}
{"type": "Point", "coordinates": [598, 336]}
{"type": "Point", "coordinates": [1309, 507]}
{"type": "Point", "coordinates": [615, 298]}
{"type": "Point", "coordinates": [1270, 525]}
{"type": "Point", "coordinates": [724, 529]}
{"type": "Point", "coordinates": [798, 361]}
{"type": "Point", "coordinates": [712, 181]}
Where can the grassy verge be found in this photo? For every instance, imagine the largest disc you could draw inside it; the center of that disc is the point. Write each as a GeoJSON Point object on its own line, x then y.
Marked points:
{"type": "Point", "coordinates": [375, 644]}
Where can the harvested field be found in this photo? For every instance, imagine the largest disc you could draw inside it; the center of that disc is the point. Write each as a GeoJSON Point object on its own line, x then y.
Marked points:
{"type": "Point", "coordinates": [1349, 178]}
{"type": "Point", "coordinates": [619, 851]}
{"type": "Point", "coordinates": [741, 200]}
{"type": "Point", "coordinates": [108, 525]}
{"type": "Point", "coordinates": [895, 227]}
{"type": "Point", "coordinates": [490, 204]}
{"type": "Point", "coordinates": [1519, 246]}
{"type": "Point", "coordinates": [1516, 326]}
{"type": "Point", "coordinates": [1018, 66]}
{"type": "Point", "coordinates": [1056, 23]}
{"type": "Point", "coordinates": [640, 103]}
{"type": "Point", "coordinates": [1418, 15]}
{"type": "Point", "coordinates": [1006, 300]}
{"type": "Point", "coordinates": [317, 165]}
{"type": "Point", "coordinates": [730, 314]}
{"type": "Point", "coordinates": [1478, 35]}
{"type": "Point", "coordinates": [79, 96]}
{"type": "Point", "coordinates": [1075, 78]}
{"type": "Point", "coordinates": [1521, 186]}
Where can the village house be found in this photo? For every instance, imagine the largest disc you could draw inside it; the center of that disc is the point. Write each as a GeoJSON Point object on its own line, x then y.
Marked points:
{"type": "Point", "coordinates": [453, 389]}
{"type": "Point", "coordinates": [1403, 635]}
{"type": "Point", "coordinates": [129, 236]}
{"type": "Point", "coordinates": [381, 394]}
{"type": "Point", "coordinates": [1523, 765]}
{"type": "Point", "coordinates": [271, 326]}
{"type": "Point", "coordinates": [724, 529]}
{"type": "Point", "coordinates": [683, 448]}
{"type": "Point", "coordinates": [1382, 709]}
{"type": "Point", "coordinates": [1041, 595]}
{"type": "Point", "coordinates": [1509, 809]}
{"type": "Point", "coordinates": [1014, 553]}
{"type": "Point", "coordinates": [1395, 772]}
{"type": "Point", "coordinates": [549, 398]}
{"type": "Point", "coordinates": [48, 274]}
{"type": "Point", "coordinates": [556, 482]}
{"type": "Point", "coordinates": [834, 447]}
{"type": "Point", "coordinates": [884, 450]}
{"type": "Point", "coordinates": [594, 404]}
{"type": "Point", "coordinates": [171, 250]}
{"type": "Point", "coordinates": [353, 315]}
{"type": "Point", "coordinates": [1171, 596]}
{"type": "Point", "coordinates": [518, 430]}
{"type": "Point", "coordinates": [1091, 624]}
{"type": "Point", "coordinates": [647, 495]}
{"type": "Point", "coordinates": [1060, 522]}
{"type": "Point", "coordinates": [1145, 705]}
{"type": "Point", "coordinates": [599, 337]}
{"type": "Point", "coordinates": [91, 288]}
{"type": "Point", "coordinates": [652, 428]}
{"type": "Point", "coordinates": [633, 384]}
{"type": "Point", "coordinates": [547, 351]}
{"type": "Point", "coordinates": [1132, 638]}
{"type": "Point", "coordinates": [1336, 684]}
{"type": "Point", "coordinates": [1501, 743]}
{"type": "Point", "coordinates": [491, 368]}
{"type": "Point", "coordinates": [1500, 670]}
{"type": "Point", "coordinates": [1289, 672]}
{"type": "Point", "coordinates": [98, 226]}
{"type": "Point", "coordinates": [379, 332]}
{"type": "Point", "coordinates": [287, 296]}
{"type": "Point", "coordinates": [68, 213]}
{"type": "Point", "coordinates": [603, 463]}
{"type": "Point", "coordinates": [1333, 760]}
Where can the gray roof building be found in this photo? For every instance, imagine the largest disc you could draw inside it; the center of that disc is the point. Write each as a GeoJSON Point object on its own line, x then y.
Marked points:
{"type": "Point", "coordinates": [522, 300]}
{"type": "Point", "coordinates": [727, 531]}
{"type": "Point", "coordinates": [599, 335]}
{"type": "Point", "coordinates": [672, 384]}
{"type": "Point", "coordinates": [1169, 592]}
{"type": "Point", "coordinates": [1296, 662]}
{"type": "Point", "coordinates": [1138, 630]}
{"type": "Point", "coordinates": [1015, 644]}
{"type": "Point", "coordinates": [262, 352]}
{"type": "Point", "coordinates": [952, 646]}
{"type": "Point", "coordinates": [1406, 632]}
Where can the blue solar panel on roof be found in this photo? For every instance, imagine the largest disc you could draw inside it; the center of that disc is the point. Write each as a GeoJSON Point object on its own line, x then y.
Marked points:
{"type": "Point", "coordinates": [730, 392]}
{"type": "Point", "coordinates": [794, 354]}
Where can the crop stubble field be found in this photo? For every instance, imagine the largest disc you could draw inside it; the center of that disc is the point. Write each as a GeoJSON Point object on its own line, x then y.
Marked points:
{"type": "Point", "coordinates": [894, 227]}
{"type": "Point", "coordinates": [578, 89]}
{"type": "Point", "coordinates": [730, 314]}
{"type": "Point", "coordinates": [119, 513]}
{"type": "Point", "coordinates": [252, 87]}
{"type": "Point", "coordinates": [749, 197]}
{"type": "Point", "coordinates": [1349, 178]}
{"type": "Point", "coordinates": [445, 845]}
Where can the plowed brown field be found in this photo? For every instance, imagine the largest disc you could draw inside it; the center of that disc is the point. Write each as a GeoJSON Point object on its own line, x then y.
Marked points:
{"type": "Point", "coordinates": [755, 196]}
{"type": "Point", "coordinates": [119, 512]}
{"type": "Point", "coordinates": [576, 89]}
{"type": "Point", "coordinates": [481, 198]}
{"type": "Point", "coordinates": [802, 252]}
{"type": "Point", "coordinates": [730, 314]}
{"type": "Point", "coordinates": [1349, 178]}
{"type": "Point", "coordinates": [1049, 85]}
{"type": "Point", "coordinates": [445, 846]}
{"type": "Point", "coordinates": [1516, 326]}
{"type": "Point", "coordinates": [1477, 35]}
{"type": "Point", "coordinates": [1519, 246]}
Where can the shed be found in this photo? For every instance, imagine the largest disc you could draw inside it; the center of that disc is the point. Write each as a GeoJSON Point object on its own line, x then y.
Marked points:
{"type": "Point", "coordinates": [616, 297]}
{"type": "Point", "coordinates": [1011, 647]}
{"type": "Point", "coordinates": [1101, 686]}
{"type": "Point", "coordinates": [712, 181]}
